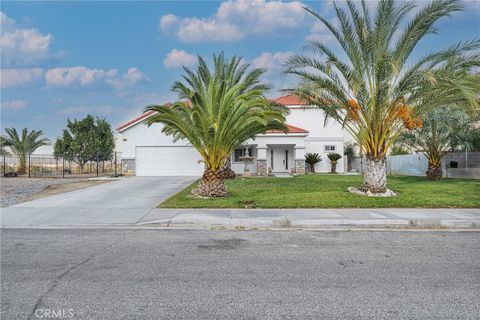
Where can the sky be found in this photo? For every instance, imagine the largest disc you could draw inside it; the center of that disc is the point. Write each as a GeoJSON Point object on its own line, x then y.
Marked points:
{"type": "Point", "coordinates": [67, 59]}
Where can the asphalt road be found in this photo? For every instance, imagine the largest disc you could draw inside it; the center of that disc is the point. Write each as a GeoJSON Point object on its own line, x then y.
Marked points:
{"type": "Point", "coordinates": [201, 274]}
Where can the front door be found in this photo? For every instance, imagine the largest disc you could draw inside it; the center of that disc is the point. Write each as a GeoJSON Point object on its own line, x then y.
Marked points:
{"type": "Point", "coordinates": [279, 160]}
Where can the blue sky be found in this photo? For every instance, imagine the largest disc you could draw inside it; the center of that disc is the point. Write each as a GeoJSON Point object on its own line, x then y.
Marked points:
{"type": "Point", "coordinates": [67, 59]}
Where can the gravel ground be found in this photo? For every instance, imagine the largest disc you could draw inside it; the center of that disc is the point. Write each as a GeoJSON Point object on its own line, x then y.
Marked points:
{"type": "Point", "coordinates": [12, 190]}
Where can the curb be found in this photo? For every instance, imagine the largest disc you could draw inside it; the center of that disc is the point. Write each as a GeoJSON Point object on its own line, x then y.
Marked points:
{"type": "Point", "coordinates": [316, 224]}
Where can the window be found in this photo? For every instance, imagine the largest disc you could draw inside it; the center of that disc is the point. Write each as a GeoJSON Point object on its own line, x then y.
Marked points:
{"type": "Point", "coordinates": [241, 152]}
{"type": "Point", "coordinates": [330, 148]}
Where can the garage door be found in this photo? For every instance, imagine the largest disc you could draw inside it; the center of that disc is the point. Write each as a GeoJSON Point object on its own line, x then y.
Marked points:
{"type": "Point", "coordinates": [167, 161]}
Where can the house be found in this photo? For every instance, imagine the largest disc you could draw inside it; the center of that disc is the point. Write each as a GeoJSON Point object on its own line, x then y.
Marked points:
{"type": "Point", "coordinates": [146, 151]}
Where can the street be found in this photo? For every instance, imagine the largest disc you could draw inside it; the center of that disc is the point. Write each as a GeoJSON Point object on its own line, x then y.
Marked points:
{"type": "Point", "coordinates": [213, 274]}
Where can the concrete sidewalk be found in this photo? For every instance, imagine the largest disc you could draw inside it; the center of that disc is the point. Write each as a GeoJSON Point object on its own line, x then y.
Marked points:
{"type": "Point", "coordinates": [313, 218]}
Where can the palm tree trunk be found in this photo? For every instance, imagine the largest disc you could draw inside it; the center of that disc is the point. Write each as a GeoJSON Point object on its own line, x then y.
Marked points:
{"type": "Point", "coordinates": [212, 184]}
{"type": "Point", "coordinates": [334, 167]}
{"type": "Point", "coordinates": [227, 172]}
{"type": "Point", "coordinates": [312, 167]}
{"type": "Point", "coordinates": [375, 175]}
{"type": "Point", "coordinates": [434, 171]}
{"type": "Point", "coordinates": [22, 165]}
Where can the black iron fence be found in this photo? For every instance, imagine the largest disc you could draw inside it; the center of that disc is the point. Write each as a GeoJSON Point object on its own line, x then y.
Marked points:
{"type": "Point", "coordinates": [57, 167]}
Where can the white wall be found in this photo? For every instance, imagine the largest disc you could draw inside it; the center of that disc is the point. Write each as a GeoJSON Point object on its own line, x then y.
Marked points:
{"type": "Point", "coordinates": [313, 120]}
{"type": "Point", "coordinates": [320, 134]}
{"type": "Point", "coordinates": [141, 135]}
{"type": "Point", "coordinates": [317, 145]}
{"type": "Point", "coordinates": [281, 139]}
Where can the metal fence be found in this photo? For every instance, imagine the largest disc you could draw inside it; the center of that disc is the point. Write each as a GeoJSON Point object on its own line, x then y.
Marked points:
{"type": "Point", "coordinates": [57, 167]}
{"type": "Point", "coordinates": [454, 165]}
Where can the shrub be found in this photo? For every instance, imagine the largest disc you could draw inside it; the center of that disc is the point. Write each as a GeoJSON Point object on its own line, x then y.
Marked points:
{"type": "Point", "coordinates": [311, 159]}
{"type": "Point", "coordinates": [334, 157]}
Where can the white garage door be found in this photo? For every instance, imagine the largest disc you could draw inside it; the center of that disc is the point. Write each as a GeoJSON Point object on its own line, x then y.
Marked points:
{"type": "Point", "coordinates": [167, 161]}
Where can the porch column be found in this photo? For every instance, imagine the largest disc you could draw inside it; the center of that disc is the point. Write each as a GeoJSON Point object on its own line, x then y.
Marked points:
{"type": "Point", "coordinates": [262, 160]}
{"type": "Point", "coordinates": [299, 162]}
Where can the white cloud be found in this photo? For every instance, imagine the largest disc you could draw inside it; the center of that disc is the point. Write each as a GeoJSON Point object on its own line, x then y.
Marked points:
{"type": "Point", "coordinates": [128, 80]}
{"type": "Point", "coordinates": [208, 30]}
{"type": "Point", "coordinates": [14, 105]}
{"type": "Point", "coordinates": [169, 22]}
{"type": "Point", "coordinates": [274, 63]}
{"type": "Point", "coordinates": [271, 61]}
{"type": "Point", "coordinates": [76, 76]}
{"type": "Point", "coordinates": [320, 32]}
{"type": "Point", "coordinates": [6, 22]}
{"type": "Point", "coordinates": [19, 77]}
{"type": "Point", "coordinates": [82, 76]}
{"type": "Point", "coordinates": [179, 58]}
{"type": "Point", "coordinates": [23, 46]}
{"type": "Point", "coordinates": [328, 6]}
{"type": "Point", "coordinates": [236, 19]}
{"type": "Point", "coordinates": [72, 77]}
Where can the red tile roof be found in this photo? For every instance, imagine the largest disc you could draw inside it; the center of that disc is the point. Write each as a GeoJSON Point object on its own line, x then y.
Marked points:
{"type": "Point", "coordinates": [287, 100]}
{"type": "Point", "coordinates": [291, 129]}
{"type": "Point", "coordinates": [291, 100]}
{"type": "Point", "coordinates": [134, 121]}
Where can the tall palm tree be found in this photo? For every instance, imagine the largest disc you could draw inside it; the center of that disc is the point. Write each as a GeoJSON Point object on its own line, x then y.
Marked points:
{"type": "Point", "coordinates": [23, 145]}
{"type": "Point", "coordinates": [373, 88]}
{"type": "Point", "coordinates": [227, 107]}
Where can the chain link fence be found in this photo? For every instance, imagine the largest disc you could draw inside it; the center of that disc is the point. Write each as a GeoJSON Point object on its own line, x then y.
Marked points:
{"type": "Point", "coordinates": [45, 166]}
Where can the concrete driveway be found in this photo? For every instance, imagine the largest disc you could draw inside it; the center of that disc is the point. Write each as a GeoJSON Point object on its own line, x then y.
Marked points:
{"type": "Point", "coordinates": [121, 202]}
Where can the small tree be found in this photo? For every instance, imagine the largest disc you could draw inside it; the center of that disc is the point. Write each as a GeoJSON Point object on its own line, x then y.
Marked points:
{"type": "Point", "coordinates": [24, 145]}
{"type": "Point", "coordinates": [334, 157]}
{"type": "Point", "coordinates": [399, 150]}
{"type": "Point", "coordinates": [442, 131]}
{"type": "Point", "coordinates": [312, 159]}
{"type": "Point", "coordinates": [86, 140]}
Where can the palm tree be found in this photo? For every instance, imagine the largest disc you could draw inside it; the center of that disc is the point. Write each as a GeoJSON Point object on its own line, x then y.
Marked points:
{"type": "Point", "coordinates": [441, 129]}
{"type": "Point", "coordinates": [23, 146]}
{"type": "Point", "coordinates": [373, 88]}
{"type": "Point", "coordinates": [226, 107]}
{"type": "Point", "coordinates": [334, 157]}
{"type": "Point", "coordinates": [227, 171]}
{"type": "Point", "coordinates": [312, 159]}
{"type": "Point", "coordinates": [3, 147]}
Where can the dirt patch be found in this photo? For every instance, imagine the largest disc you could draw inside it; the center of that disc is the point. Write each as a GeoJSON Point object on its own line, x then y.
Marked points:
{"type": "Point", "coordinates": [62, 188]}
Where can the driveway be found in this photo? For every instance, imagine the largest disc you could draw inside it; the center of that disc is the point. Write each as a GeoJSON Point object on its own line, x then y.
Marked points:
{"type": "Point", "coordinates": [122, 202]}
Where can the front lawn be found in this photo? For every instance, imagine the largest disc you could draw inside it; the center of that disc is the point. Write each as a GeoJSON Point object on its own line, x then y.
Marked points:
{"type": "Point", "coordinates": [330, 191]}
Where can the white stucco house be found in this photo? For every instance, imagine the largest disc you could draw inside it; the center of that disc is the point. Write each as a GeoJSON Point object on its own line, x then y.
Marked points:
{"type": "Point", "coordinates": [146, 151]}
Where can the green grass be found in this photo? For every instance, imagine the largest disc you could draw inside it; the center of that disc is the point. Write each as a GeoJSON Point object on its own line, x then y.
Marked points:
{"type": "Point", "coordinates": [330, 191]}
